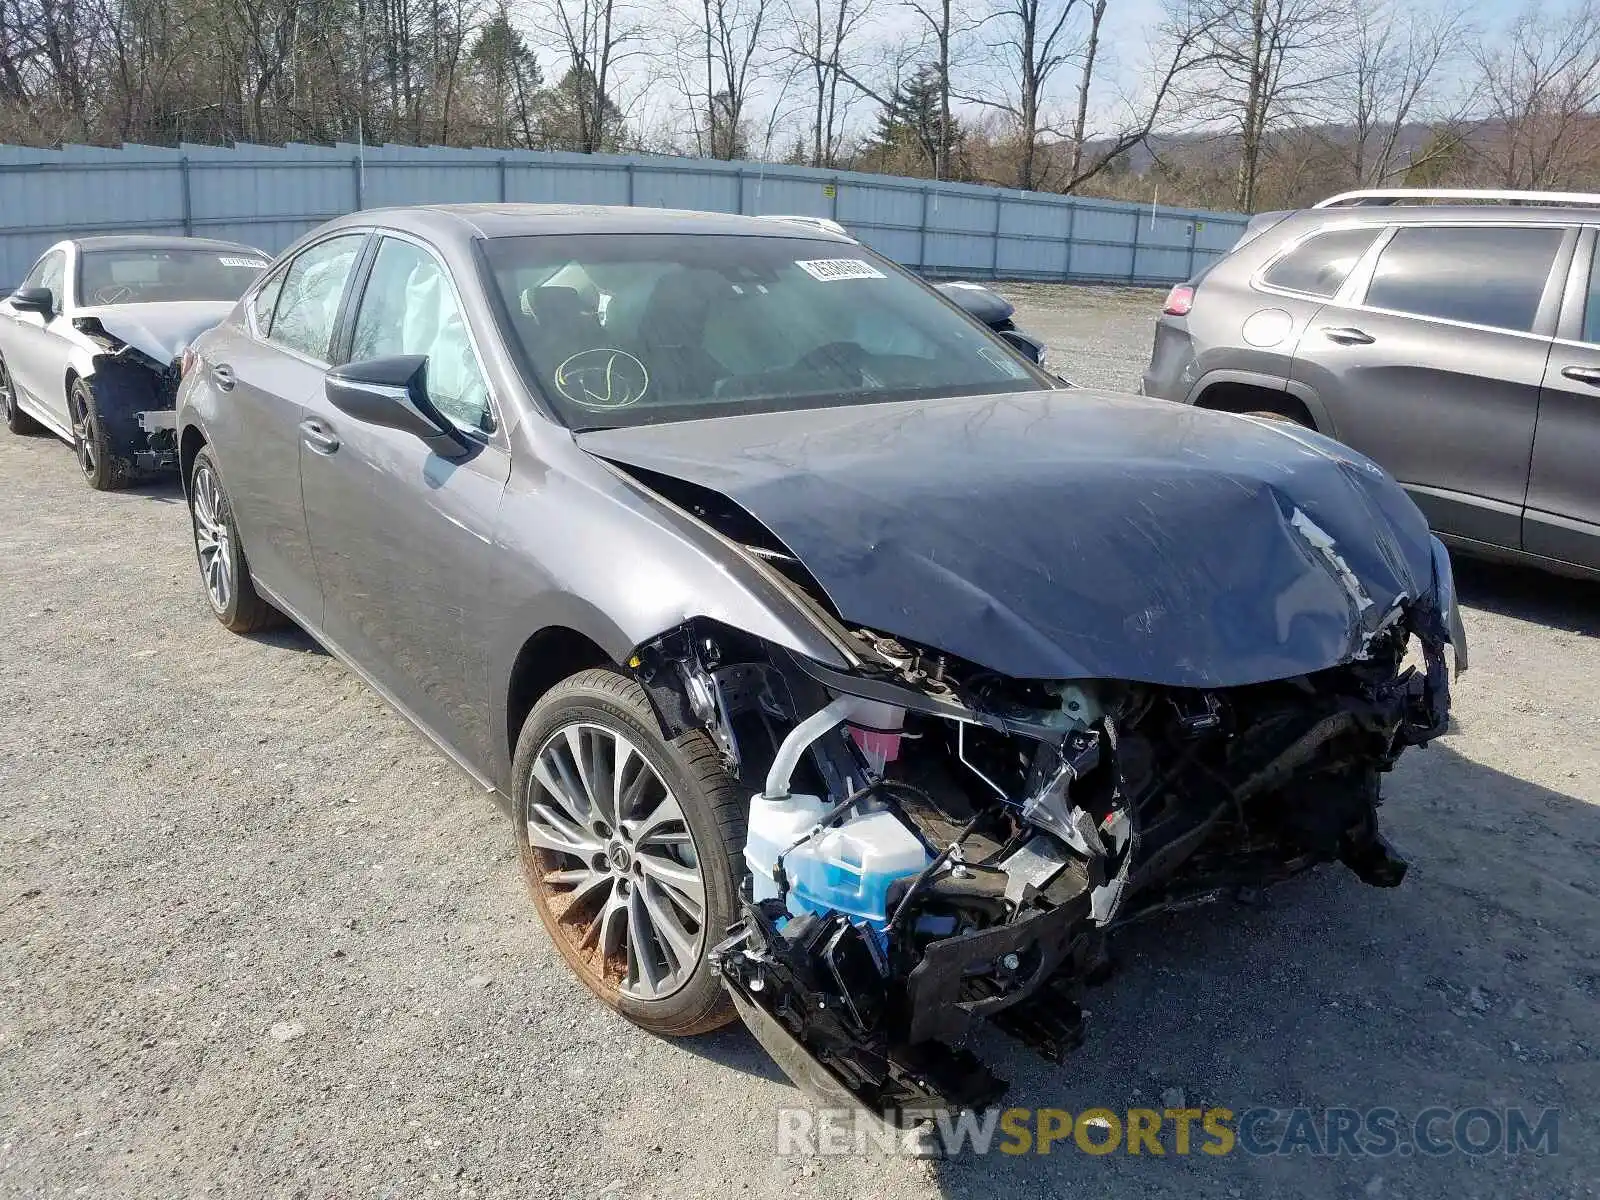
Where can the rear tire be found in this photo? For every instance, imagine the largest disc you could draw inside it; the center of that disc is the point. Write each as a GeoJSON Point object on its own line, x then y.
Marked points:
{"type": "Point", "coordinates": [102, 466]}
{"type": "Point", "coordinates": [17, 421]}
{"type": "Point", "coordinates": [223, 570]}
{"type": "Point", "coordinates": [635, 878]}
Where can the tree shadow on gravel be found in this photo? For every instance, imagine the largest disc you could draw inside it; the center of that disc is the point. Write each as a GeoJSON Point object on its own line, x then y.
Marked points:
{"type": "Point", "coordinates": [1530, 595]}
{"type": "Point", "coordinates": [163, 489]}
{"type": "Point", "coordinates": [290, 637]}
{"type": "Point", "coordinates": [734, 1047]}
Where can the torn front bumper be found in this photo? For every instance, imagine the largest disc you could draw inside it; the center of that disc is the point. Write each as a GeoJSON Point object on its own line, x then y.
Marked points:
{"type": "Point", "coordinates": [876, 1018]}
{"type": "Point", "coordinates": [137, 404]}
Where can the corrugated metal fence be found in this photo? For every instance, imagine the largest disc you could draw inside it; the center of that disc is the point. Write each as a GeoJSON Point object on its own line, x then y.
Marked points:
{"type": "Point", "coordinates": [269, 195]}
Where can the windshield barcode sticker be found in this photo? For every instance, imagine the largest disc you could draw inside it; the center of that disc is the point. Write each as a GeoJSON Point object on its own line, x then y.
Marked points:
{"type": "Point", "coordinates": [828, 269]}
{"type": "Point", "coordinates": [240, 262]}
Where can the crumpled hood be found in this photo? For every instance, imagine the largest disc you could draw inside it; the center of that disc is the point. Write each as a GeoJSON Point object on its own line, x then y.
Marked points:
{"type": "Point", "coordinates": [160, 329]}
{"type": "Point", "coordinates": [1070, 534]}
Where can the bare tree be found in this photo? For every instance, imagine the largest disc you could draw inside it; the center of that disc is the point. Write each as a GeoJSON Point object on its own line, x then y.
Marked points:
{"type": "Point", "coordinates": [596, 36]}
{"type": "Point", "coordinates": [1091, 54]}
{"type": "Point", "coordinates": [820, 35]}
{"type": "Point", "coordinates": [1180, 48]}
{"type": "Point", "coordinates": [1269, 65]}
{"type": "Point", "coordinates": [1396, 60]}
{"type": "Point", "coordinates": [1032, 40]}
{"type": "Point", "coordinates": [1540, 91]}
{"type": "Point", "coordinates": [734, 37]}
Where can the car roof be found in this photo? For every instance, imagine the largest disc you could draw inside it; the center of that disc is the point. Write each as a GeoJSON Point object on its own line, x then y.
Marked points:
{"type": "Point", "coordinates": [510, 220]}
{"type": "Point", "coordinates": [140, 241]}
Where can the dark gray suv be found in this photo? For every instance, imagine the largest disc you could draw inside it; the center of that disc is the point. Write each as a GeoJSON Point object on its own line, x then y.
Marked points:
{"type": "Point", "coordinates": [1452, 336]}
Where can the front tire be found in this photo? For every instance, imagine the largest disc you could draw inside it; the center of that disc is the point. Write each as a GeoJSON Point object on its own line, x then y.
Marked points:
{"type": "Point", "coordinates": [17, 421]}
{"type": "Point", "coordinates": [223, 569]}
{"type": "Point", "coordinates": [632, 850]}
{"type": "Point", "coordinates": [102, 466]}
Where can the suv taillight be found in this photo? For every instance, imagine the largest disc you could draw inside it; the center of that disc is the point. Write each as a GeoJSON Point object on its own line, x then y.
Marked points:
{"type": "Point", "coordinates": [1179, 301]}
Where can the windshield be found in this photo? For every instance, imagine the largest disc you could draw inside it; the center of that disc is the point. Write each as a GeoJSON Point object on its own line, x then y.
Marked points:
{"type": "Point", "coordinates": [633, 329]}
{"type": "Point", "coordinates": [137, 276]}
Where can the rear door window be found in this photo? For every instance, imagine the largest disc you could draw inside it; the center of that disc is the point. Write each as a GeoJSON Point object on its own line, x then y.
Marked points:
{"type": "Point", "coordinates": [308, 305]}
{"type": "Point", "coordinates": [1484, 276]}
{"type": "Point", "coordinates": [1319, 265]}
{"type": "Point", "coordinates": [265, 300]}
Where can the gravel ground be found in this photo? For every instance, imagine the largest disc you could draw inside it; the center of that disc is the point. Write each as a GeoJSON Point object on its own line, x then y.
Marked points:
{"type": "Point", "coordinates": [258, 938]}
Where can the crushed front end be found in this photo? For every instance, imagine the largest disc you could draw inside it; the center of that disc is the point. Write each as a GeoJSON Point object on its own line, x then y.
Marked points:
{"type": "Point", "coordinates": [931, 844]}
{"type": "Point", "coordinates": [136, 399]}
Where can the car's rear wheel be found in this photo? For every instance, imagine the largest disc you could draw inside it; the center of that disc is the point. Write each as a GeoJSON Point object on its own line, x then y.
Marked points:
{"type": "Point", "coordinates": [223, 570]}
{"type": "Point", "coordinates": [632, 850]}
{"type": "Point", "coordinates": [105, 470]}
{"type": "Point", "coordinates": [17, 421]}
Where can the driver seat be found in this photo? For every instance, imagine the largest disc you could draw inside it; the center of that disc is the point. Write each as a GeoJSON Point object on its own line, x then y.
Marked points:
{"type": "Point", "coordinates": [672, 336]}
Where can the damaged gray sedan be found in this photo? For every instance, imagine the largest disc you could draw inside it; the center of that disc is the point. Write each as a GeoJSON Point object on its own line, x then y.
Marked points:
{"type": "Point", "coordinates": [840, 668]}
{"type": "Point", "coordinates": [91, 342]}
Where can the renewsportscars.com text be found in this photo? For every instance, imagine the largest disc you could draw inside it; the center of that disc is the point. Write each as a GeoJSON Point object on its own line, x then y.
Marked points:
{"type": "Point", "coordinates": [1378, 1132]}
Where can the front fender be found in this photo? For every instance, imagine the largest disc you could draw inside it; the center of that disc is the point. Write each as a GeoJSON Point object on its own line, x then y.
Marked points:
{"type": "Point", "coordinates": [579, 545]}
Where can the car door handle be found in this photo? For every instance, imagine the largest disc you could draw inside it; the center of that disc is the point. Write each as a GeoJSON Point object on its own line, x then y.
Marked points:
{"type": "Point", "coordinates": [222, 376]}
{"type": "Point", "coordinates": [318, 437]}
{"type": "Point", "coordinates": [1589, 375]}
{"type": "Point", "coordinates": [1347, 335]}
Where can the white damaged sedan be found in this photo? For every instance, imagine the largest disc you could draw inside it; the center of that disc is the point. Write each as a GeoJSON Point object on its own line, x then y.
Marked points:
{"type": "Point", "coordinates": [91, 343]}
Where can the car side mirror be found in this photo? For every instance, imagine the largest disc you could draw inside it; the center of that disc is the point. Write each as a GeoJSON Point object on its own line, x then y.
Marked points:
{"type": "Point", "coordinates": [39, 300]}
{"type": "Point", "coordinates": [1031, 348]}
{"type": "Point", "coordinates": [393, 393]}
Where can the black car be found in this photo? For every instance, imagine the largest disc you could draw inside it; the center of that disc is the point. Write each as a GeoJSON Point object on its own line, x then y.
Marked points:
{"type": "Point", "coordinates": [1453, 336]}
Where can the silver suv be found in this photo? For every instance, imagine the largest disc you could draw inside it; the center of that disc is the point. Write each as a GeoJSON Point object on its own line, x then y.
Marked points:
{"type": "Point", "coordinates": [1453, 336]}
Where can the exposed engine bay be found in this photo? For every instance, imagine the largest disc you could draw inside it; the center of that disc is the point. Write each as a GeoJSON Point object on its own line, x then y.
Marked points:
{"type": "Point", "coordinates": [136, 398]}
{"type": "Point", "coordinates": [1109, 663]}
{"type": "Point", "coordinates": [931, 844]}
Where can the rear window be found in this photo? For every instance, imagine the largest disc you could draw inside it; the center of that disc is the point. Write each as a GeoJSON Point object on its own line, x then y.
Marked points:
{"type": "Point", "coordinates": [1484, 276]}
{"type": "Point", "coordinates": [1319, 265]}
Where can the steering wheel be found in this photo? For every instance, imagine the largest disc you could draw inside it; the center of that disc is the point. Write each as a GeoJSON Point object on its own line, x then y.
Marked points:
{"type": "Point", "coordinates": [844, 358]}
{"type": "Point", "coordinates": [116, 293]}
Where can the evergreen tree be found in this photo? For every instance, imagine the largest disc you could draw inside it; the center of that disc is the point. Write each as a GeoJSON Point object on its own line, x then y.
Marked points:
{"type": "Point", "coordinates": [908, 133]}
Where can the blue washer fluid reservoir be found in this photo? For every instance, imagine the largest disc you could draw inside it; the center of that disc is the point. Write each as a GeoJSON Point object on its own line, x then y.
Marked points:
{"type": "Point", "coordinates": [848, 868]}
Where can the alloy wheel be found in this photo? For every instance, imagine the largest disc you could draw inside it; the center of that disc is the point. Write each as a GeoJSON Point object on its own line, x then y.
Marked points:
{"type": "Point", "coordinates": [616, 862]}
{"type": "Point", "coordinates": [7, 403]}
{"type": "Point", "coordinates": [213, 540]}
{"type": "Point", "coordinates": [83, 432]}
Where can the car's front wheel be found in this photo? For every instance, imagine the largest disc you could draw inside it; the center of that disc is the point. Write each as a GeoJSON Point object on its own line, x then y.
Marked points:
{"type": "Point", "coordinates": [103, 467]}
{"type": "Point", "coordinates": [631, 846]}
{"type": "Point", "coordinates": [17, 421]}
{"type": "Point", "coordinates": [217, 548]}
